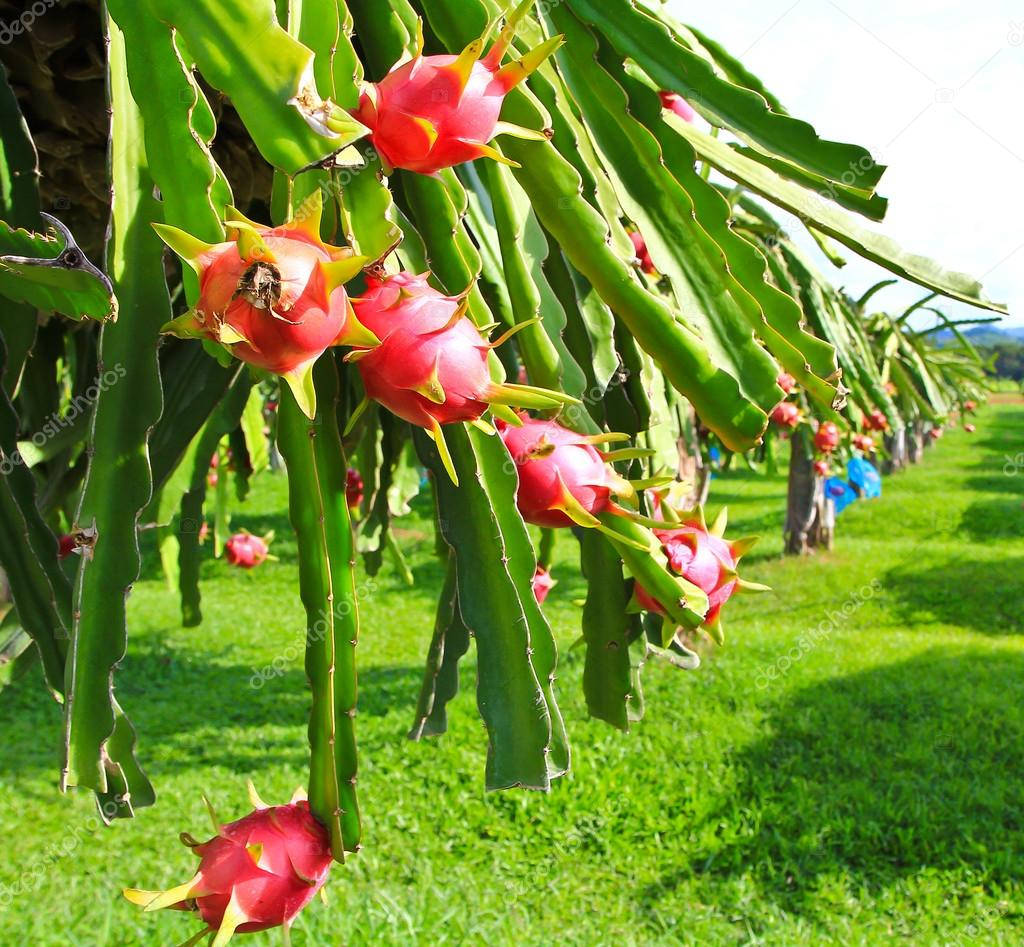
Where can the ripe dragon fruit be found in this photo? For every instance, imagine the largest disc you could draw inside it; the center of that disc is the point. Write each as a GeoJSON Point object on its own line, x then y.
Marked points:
{"type": "Point", "coordinates": [821, 468]}
{"type": "Point", "coordinates": [786, 382]}
{"type": "Point", "coordinates": [875, 421]}
{"type": "Point", "coordinates": [247, 551]}
{"type": "Point", "coordinates": [563, 478]}
{"type": "Point", "coordinates": [679, 105]}
{"type": "Point", "coordinates": [273, 297]}
{"type": "Point", "coordinates": [864, 443]}
{"type": "Point", "coordinates": [435, 112]}
{"type": "Point", "coordinates": [935, 433]}
{"type": "Point", "coordinates": [542, 583]}
{"type": "Point", "coordinates": [786, 414]}
{"type": "Point", "coordinates": [254, 874]}
{"type": "Point", "coordinates": [430, 366]}
{"type": "Point", "coordinates": [969, 428]}
{"type": "Point", "coordinates": [641, 253]}
{"type": "Point", "coordinates": [353, 488]}
{"type": "Point", "coordinates": [970, 406]}
{"type": "Point", "coordinates": [701, 556]}
{"type": "Point", "coordinates": [826, 439]}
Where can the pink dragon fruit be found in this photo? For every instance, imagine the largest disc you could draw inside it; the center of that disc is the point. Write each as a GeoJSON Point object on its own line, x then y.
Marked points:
{"type": "Point", "coordinates": [641, 253]}
{"type": "Point", "coordinates": [786, 414]}
{"type": "Point", "coordinates": [247, 551]}
{"type": "Point", "coordinates": [703, 557]}
{"type": "Point", "coordinates": [786, 382]}
{"type": "Point", "coordinates": [430, 366]}
{"type": "Point", "coordinates": [970, 406]}
{"type": "Point", "coordinates": [353, 488]}
{"type": "Point", "coordinates": [969, 428]}
{"type": "Point", "coordinates": [254, 874]}
{"type": "Point", "coordinates": [273, 297]}
{"type": "Point", "coordinates": [826, 438]}
{"type": "Point", "coordinates": [563, 478]}
{"type": "Point", "coordinates": [821, 468]}
{"type": "Point", "coordinates": [679, 105]}
{"type": "Point", "coordinates": [435, 112]}
{"type": "Point", "coordinates": [875, 421]}
{"type": "Point", "coordinates": [935, 433]}
{"type": "Point", "coordinates": [542, 584]}
{"type": "Point", "coordinates": [65, 546]}
{"type": "Point", "coordinates": [863, 442]}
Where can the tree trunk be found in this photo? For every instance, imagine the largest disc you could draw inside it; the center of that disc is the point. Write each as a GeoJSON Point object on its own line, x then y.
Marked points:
{"type": "Point", "coordinates": [896, 445]}
{"type": "Point", "coordinates": [805, 498]}
{"type": "Point", "coordinates": [915, 443]}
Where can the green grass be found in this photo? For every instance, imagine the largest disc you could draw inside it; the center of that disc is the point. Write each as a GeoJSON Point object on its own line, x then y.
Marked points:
{"type": "Point", "coordinates": [834, 775]}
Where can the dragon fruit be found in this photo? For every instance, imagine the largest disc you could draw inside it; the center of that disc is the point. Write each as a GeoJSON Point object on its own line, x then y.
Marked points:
{"type": "Point", "coordinates": [826, 438]}
{"type": "Point", "coordinates": [65, 546]}
{"type": "Point", "coordinates": [542, 583]}
{"type": "Point", "coordinates": [247, 551]}
{"type": "Point", "coordinates": [786, 382]}
{"type": "Point", "coordinates": [935, 433]}
{"type": "Point", "coordinates": [821, 468]}
{"type": "Point", "coordinates": [430, 366]}
{"type": "Point", "coordinates": [864, 443]}
{"type": "Point", "coordinates": [273, 297]}
{"type": "Point", "coordinates": [353, 488]}
{"type": "Point", "coordinates": [969, 428]}
{"type": "Point", "coordinates": [679, 105]}
{"type": "Point", "coordinates": [254, 874]}
{"type": "Point", "coordinates": [875, 421]}
{"type": "Point", "coordinates": [563, 478]}
{"type": "Point", "coordinates": [641, 253]}
{"type": "Point", "coordinates": [970, 406]}
{"type": "Point", "coordinates": [435, 112]}
{"type": "Point", "coordinates": [703, 557]}
{"type": "Point", "coordinates": [786, 414]}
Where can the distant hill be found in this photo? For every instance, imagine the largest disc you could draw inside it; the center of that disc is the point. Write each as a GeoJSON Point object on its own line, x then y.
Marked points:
{"type": "Point", "coordinates": [986, 335]}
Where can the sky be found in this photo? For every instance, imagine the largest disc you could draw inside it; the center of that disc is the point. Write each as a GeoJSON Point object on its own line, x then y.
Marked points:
{"type": "Point", "coordinates": [933, 89]}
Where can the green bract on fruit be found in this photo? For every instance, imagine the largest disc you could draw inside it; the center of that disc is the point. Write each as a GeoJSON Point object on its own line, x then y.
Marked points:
{"type": "Point", "coordinates": [272, 296]}
{"type": "Point", "coordinates": [435, 112]}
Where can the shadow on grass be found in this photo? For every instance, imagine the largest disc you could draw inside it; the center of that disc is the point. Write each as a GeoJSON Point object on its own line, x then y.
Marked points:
{"type": "Point", "coordinates": [978, 594]}
{"type": "Point", "coordinates": [182, 708]}
{"type": "Point", "coordinates": [868, 779]}
{"type": "Point", "coordinates": [1002, 518]}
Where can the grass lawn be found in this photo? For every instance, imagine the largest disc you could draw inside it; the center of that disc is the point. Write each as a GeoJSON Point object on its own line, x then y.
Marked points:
{"type": "Point", "coordinates": [849, 769]}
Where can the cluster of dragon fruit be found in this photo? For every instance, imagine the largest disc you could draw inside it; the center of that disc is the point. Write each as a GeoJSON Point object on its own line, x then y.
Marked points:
{"type": "Point", "coordinates": [275, 297]}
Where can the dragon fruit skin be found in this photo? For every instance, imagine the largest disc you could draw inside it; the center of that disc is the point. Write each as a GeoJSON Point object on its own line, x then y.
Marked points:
{"type": "Point", "coordinates": [826, 438]}
{"type": "Point", "coordinates": [435, 112]}
{"type": "Point", "coordinates": [353, 488]}
{"type": "Point", "coordinates": [700, 557]}
{"type": "Point", "coordinates": [255, 874]}
{"type": "Point", "coordinates": [969, 428]}
{"type": "Point", "coordinates": [431, 364]}
{"type": "Point", "coordinates": [786, 382]}
{"type": "Point", "coordinates": [246, 551]}
{"type": "Point", "coordinates": [863, 442]}
{"type": "Point", "coordinates": [676, 103]}
{"type": "Point", "coordinates": [641, 253]}
{"type": "Point", "coordinates": [273, 297]}
{"type": "Point", "coordinates": [786, 414]}
{"type": "Point", "coordinates": [542, 584]}
{"type": "Point", "coordinates": [560, 472]}
{"type": "Point", "coordinates": [821, 468]}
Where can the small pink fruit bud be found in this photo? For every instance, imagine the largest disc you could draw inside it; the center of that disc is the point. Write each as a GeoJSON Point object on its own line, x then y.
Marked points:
{"type": "Point", "coordinates": [542, 584]}
{"type": "Point", "coordinates": [641, 253]}
{"type": "Point", "coordinates": [786, 382]}
{"type": "Point", "coordinates": [246, 551]}
{"type": "Point", "coordinates": [679, 105]}
{"type": "Point", "coordinates": [353, 488]}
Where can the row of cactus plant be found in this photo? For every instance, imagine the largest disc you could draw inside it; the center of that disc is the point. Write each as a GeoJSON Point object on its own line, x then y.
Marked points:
{"type": "Point", "coordinates": [439, 234]}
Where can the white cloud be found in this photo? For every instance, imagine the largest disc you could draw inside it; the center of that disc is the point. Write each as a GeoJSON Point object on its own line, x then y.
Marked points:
{"type": "Point", "coordinates": [932, 88]}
